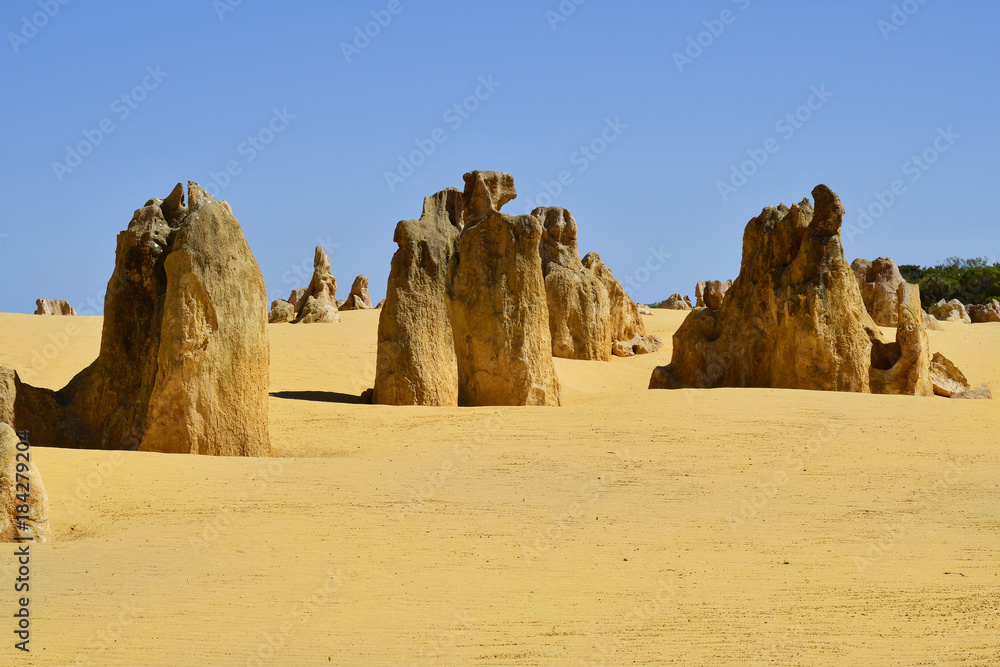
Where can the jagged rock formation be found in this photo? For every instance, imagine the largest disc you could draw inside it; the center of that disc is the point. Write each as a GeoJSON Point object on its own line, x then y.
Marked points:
{"type": "Point", "coordinates": [298, 296]}
{"type": "Point", "coordinates": [53, 307]}
{"type": "Point", "coordinates": [359, 298]}
{"type": "Point", "coordinates": [497, 301]}
{"type": "Point", "coordinates": [903, 366]}
{"type": "Point", "coordinates": [8, 392]}
{"type": "Point", "coordinates": [946, 378]}
{"type": "Point", "coordinates": [380, 305]}
{"type": "Point", "coordinates": [710, 293]}
{"type": "Point", "coordinates": [35, 521]}
{"type": "Point", "coordinates": [578, 302]}
{"type": "Point", "coordinates": [795, 319]}
{"type": "Point", "coordinates": [982, 392]}
{"type": "Point", "coordinates": [951, 311]}
{"type": "Point", "coordinates": [183, 365]}
{"type": "Point", "coordinates": [714, 293]}
{"type": "Point", "coordinates": [416, 362]}
{"type": "Point", "coordinates": [931, 323]}
{"type": "Point", "coordinates": [983, 314]}
{"type": "Point", "coordinates": [281, 312]}
{"type": "Point", "coordinates": [319, 301]}
{"type": "Point", "coordinates": [626, 324]}
{"type": "Point", "coordinates": [677, 302]}
{"type": "Point", "coordinates": [879, 282]}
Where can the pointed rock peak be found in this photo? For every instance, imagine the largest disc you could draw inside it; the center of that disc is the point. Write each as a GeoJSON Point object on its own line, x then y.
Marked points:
{"type": "Point", "coordinates": [829, 212]}
{"type": "Point", "coordinates": [449, 204]}
{"type": "Point", "coordinates": [321, 260]}
{"type": "Point", "coordinates": [173, 206]}
{"type": "Point", "coordinates": [558, 223]}
{"type": "Point", "coordinates": [487, 191]}
{"type": "Point", "coordinates": [197, 197]}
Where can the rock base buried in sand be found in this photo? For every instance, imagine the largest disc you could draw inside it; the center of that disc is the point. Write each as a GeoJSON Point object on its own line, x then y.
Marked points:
{"type": "Point", "coordinates": [14, 479]}
{"type": "Point", "coordinates": [795, 318]}
{"type": "Point", "coordinates": [984, 314]}
{"type": "Point", "coordinates": [497, 303]}
{"type": "Point", "coordinates": [183, 363]}
{"type": "Point", "coordinates": [950, 311]}
{"type": "Point", "coordinates": [359, 299]}
{"type": "Point", "coordinates": [53, 307]}
{"type": "Point", "coordinates": [878, 282]}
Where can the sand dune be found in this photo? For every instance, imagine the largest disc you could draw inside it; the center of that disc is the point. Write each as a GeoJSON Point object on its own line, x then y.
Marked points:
{"type": "Point", "coordinates": [627, 527]}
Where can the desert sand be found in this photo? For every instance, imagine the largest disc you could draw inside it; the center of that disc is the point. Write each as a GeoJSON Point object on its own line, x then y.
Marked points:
{"type": "Point", "coordinates": [728, 526]}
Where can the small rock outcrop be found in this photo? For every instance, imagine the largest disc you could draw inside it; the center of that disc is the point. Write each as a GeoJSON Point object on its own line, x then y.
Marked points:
{"type": "Point", "coordinates": [984, 313]}
{"type": "Point", "coordinates": [319, 301]}
{"type": "Point", "coordinates": [677, 302]}
{"type": "Point", "coordinates": [359, 298]}
{"type": "Point", "coordinates": [947, 380]}
{"type": "Point", "coordinates": [497, 302]}
{"type": "Point", "coordinates": [714, 293]}
{"type": "Point", "coordinates": [298, 298]}
{"type": "Point", "coordinates": [183, 364]}
{"type": "Point", "coordinates": [53, 307]}
{"type": "Point", "coordinates": [879, 282]}
{"type": "Point", "coordinates": [931, 323]}
{"type": "Point", "coordinates": [16, 475]}
{"type": "Point", "coordinates": [416, 363]}
{"type": "Point", "coordinates": [578, 303]}
{"type": "Point", "coordinates": [795, 319]}
{"type": "Point", "coordinates": [281, 311]}
{"type": "Point", "coordinates": [982, 392]}
{"type": "Point", "coordinates": [315, 304]}
{"type": "Point", "coordinates": [903, 366]}
{"type": "Point", "coordinates": [950, 311]}
{"type": "Point", "coordinates": [710, 293]}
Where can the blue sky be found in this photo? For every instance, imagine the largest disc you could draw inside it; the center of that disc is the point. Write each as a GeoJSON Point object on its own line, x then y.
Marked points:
{"type": "Point", "coordinates": [642, 138]}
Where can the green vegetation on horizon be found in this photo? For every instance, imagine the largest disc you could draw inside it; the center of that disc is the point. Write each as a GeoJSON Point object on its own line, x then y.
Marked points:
{"type": "Point", "coordinates": [968, 280]}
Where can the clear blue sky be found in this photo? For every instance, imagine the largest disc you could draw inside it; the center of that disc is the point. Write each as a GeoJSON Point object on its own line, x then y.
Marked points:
{"type": "Point", "coordinates": [553, 88]}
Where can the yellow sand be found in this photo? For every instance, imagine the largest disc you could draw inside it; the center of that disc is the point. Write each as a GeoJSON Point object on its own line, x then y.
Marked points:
{"type": "Point", "coordinates": [627, 527]}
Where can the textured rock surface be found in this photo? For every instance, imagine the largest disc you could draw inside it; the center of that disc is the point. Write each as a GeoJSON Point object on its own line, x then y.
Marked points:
{"type": "Point", "coordinates": [879, 282]}
{"type": "Point", "coordinates": [497, 303]}
{"type": "Point", "coordinates": [578, 303]}
{"type": "Point", "coordinates": [36, 525]}
{"type": "Point", "coordinates": [677, 302]}
{"type": "Point", "coordinates": [319, 300]}
{"type": "Point", "coordinates": [983, 314]}
{"type": "Point", "coordinates": [945, 376]}
{"type": "Point", "coordinates": [793, 318]}
{"type": "Point", "coordinates": [903, 366]}
{"type": "Point", "coordinates": [931, 323]}
{"type": "Point", "coordinates": [359, 299]}
{"type": "Point", "coordinates": [183, 364]}
{"type": "Point", "coordinates": [281, 311]}
{"type": "Point", "coordinates": [416, 363]}
{"type": "Point", "coordinates": [297, 298]}
{"type": "Point", "coordinates": [625, 321]}
{"type": "Point", "coordinates": [53, 307]}
{"type": "Point", "coordinates": [714, 293]}
{"type": "Point", "coordinates": [316, 311]}
{"type": "Point", "coordinates": [950, 311]}
{"type": "Point", "coordinates": [982, 392]}
{"type": "Point", "coordinates": [8, 393]}
{"type": "Point", "coordinates": [638, 345]}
